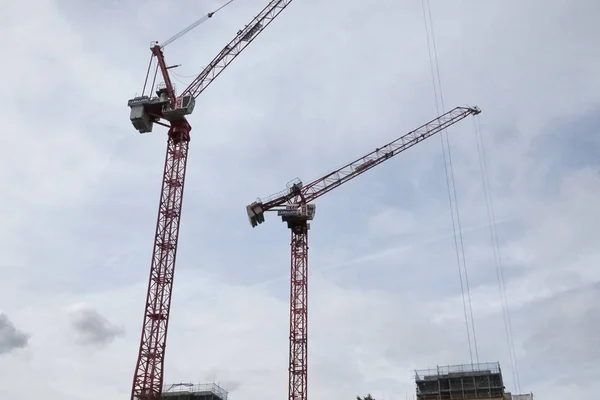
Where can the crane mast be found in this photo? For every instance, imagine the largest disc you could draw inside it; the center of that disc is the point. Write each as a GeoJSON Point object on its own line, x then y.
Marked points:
{"type": "Point", "coordinates": [169, 110]}
{"type": "Point", "coordinates": [294, 208]}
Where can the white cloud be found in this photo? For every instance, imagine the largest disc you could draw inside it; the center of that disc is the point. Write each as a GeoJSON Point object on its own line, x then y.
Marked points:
{"type": "Point", "coordinates": [391, 221]}
{"type": "Point", "coordinates": [324, 84]}
{"type": "Point", "coordinates": [569, 326]}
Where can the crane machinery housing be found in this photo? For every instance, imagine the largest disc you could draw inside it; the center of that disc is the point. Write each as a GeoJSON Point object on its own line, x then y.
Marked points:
{"type": "Point", "coordinates": [168, 109]}
{"type": "Point", "coordinates": [294, 207]}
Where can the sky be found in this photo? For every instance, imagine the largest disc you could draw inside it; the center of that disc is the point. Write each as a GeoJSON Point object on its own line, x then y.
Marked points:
{"type": "Point", "coordinates": [324, 84]}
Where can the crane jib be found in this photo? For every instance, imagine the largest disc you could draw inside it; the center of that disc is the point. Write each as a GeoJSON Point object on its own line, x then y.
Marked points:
{"type": "Point", "coordinates": [242, 39]}
{"type": "Point", "coordinates": [323, 185]}
{"type": "Point", "coordinates": [319, 187]}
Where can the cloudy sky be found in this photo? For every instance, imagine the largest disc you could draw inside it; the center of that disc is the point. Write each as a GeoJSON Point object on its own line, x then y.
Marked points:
{"type": "Point", "coordinates": [325, 83]}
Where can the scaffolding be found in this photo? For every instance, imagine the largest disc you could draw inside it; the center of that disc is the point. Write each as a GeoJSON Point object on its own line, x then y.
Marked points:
{"type": "Point", "coordinates": [461, 382]}
{"type": "Point", "coordinates": [190, 391]}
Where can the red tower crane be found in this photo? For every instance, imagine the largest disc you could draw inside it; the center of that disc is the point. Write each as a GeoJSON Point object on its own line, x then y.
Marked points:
{"type": "Point", "coordinates": [170, 110]}
{"type": "Point", "coordinates": [294, 207]}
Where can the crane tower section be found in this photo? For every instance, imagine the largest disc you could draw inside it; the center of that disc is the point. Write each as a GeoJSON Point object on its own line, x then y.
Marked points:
{"type": "Point", "coordinates": [298, 349]}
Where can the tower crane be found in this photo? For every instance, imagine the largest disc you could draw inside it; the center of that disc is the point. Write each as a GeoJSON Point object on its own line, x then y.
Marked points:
{"type": "Point", "coordinates": [170, 110]}
{"type": "Point", "coordinates": [294, 207]}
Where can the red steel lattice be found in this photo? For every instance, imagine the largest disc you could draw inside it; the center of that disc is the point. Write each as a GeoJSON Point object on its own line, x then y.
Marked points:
{"type": "Point", "coordinates": [298, 360]}
{"type": "Point", "coordinates": [147, 381]}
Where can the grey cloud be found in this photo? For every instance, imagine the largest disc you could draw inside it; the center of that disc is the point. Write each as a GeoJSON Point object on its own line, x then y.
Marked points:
{"type": "Point", "coordinates": [279, 119]}
{"type": "Point", "coordinates": [92, 328]}
{"type": "Point", "coordinates": [231, 385]}
{"type": "Point", "coordinates": [566, 329]}
{"type": "Point", "coordinates": [11, 338]}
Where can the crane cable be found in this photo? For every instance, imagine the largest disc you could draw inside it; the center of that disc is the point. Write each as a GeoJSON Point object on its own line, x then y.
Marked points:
{"type": "Point", "coordinates": [492, 222]}
{"type": "Point", "coordinates": [183, 79]}
{"type": "Point", "coordinates": [491, 214]}
{"type": "Point", "coordinates": [194, 25]}
{"type": "Point", "coordinates": [450, 183]}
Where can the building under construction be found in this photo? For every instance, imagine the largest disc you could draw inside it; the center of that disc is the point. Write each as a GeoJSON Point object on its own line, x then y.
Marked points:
{"type": "Point", "coordinates": [190, 391]}
{"type": "Point", "coordinates": [461, 382]}
{"type": "Point", "coordinates": [464, 382]}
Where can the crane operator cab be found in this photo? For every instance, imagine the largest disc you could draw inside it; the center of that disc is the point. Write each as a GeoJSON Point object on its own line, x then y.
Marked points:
{"type": "Point", "coordinates": [145, 110]}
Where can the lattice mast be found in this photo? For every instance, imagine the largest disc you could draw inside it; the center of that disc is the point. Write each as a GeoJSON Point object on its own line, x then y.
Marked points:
{"type": "Point", "coordinates": [169, 110]}
{"type": "Point", "coordinates": [298, 351]}
{"type": "Point", "coordinates": [294, 206]}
